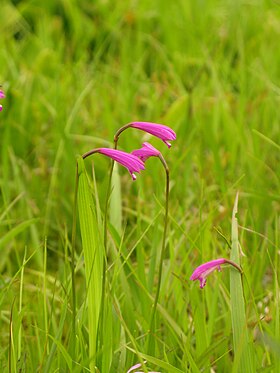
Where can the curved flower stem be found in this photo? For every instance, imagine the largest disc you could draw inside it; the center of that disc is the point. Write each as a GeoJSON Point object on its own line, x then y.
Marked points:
{"type": "Point", "coordinates": [161, 253]}
{"type": "Point", "coordinates": [119, 131]}
{"type": "Point", "coordinates": [87, 154]}
{"type": "Point", "coordinates": [235, 265]}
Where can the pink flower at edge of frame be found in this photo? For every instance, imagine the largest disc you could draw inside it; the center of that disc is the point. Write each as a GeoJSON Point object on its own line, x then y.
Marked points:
{"type": "Point", "coordinates": [201, 272]}
{"type": "Point", "coordinates": [2, 95]}
{"type": "Point", "coordinates": [161, 131]}
{"type": "Point", "coordinates": [146, 152]}
{"type": "Point", "coordinates": [130, 161]}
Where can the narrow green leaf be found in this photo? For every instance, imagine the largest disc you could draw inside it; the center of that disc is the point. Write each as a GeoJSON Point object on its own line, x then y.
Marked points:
{"type": "Point", "coordinates": [93, 256]}
{"type": "Point", "coordinates": [115, 201]}
{"type": "Point", "coordinates": [15, 231]}
{"type": "Point", "coordinates": [243, 359]}
{"type": "Point", "coordinates": [162, 364]}
{"type": "Point", "coordinates": [63, 351]}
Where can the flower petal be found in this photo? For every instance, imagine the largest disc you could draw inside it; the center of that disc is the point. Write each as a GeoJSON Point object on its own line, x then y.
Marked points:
{"type": "Point", "coordinates": [130, 161]}
{"type": "Point", "coordinates": [161, 131]}
{"type": "Point", "coordinates": [201, 272]}
{"type": "Point", "coordinates": [146, 152]}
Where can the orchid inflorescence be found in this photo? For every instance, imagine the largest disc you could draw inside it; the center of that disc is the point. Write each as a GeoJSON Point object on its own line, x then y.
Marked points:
{"type": "Point", "coordinates": [134, 161]}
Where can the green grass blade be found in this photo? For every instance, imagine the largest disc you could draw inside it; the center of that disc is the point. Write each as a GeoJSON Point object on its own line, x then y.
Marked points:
{"type": "Point", "coordinates": [267, 139]}
{"type": "Point", "coordinates": [115, 201]}
{"type": "Point", "coordinates": [243, 359]}
{"type": "Point", "coordinates": [15, 231]}
{"type": "Point", "coordinates": [93, 256]}
{"type": "Point", "coordinates": [63, 351]}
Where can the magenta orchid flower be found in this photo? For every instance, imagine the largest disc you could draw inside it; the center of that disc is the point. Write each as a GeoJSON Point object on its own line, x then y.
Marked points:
{"type": "Point", "coordinates": [2, 95]}
{"type": "Point", "coordinates": [159, 130]}
{"type": "Point", "coordinates": [130, 161]}
{"type": "Point", "coordinates": [201, 272]}
{"type": "Point", "coordinates": [146, 152]}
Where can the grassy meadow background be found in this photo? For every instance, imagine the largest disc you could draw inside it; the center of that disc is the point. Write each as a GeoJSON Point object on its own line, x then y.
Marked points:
{"type": "Point", "coordinates": [73, 73]}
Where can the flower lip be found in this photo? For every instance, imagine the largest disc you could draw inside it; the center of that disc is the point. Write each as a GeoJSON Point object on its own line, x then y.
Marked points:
{"type": "Point", "coordinates": [161, 131]}
{"type": "Point", "coordinates": [146, 152]}
{"type": "Point", "coordinates": [201, 272]}
{"type": "Point", "coordinates": [130, 161]}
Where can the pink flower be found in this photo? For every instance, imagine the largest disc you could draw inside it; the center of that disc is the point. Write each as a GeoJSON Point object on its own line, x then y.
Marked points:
{"type": "Point", "coordinates": [136, 366]}
{"type": "Point", "coordinates": [201, 272]}
{"type": "Point", "coordinates": [159, 130]}
{"type": "Point", "coordinates": [146, 151]}
{"type": "Point", "coordinates": [130, 161]}
{"type": "Point", "coordinates": [2, 95]}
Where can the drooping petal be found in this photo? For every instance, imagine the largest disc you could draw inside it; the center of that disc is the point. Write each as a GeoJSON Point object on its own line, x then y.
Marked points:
{"type": "Point", "coordinates": [161, 131]}
{"type": "Point", "coordinates": [146, 152]}
{"type": "Point", "coordinates": [130, 161]}
{"type": "Point", "coordinates": [201, 272]}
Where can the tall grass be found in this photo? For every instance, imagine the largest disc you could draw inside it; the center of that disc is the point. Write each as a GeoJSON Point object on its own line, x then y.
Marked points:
{"type": "Point", "coordinates": [73, 73]}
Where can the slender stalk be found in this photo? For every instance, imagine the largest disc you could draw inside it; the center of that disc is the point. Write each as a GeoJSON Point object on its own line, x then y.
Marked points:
{"type": "Point", "coordinates": [119, 131]}
{"type": "Point", "coordinates": [11, 341]}
{"type": "Point", "coordinates": [235, 265]}
{"type": "Point", "coordinates": [73, 245]}
{"type": "Point", "coordinates": [92, 151]}
{"type": "Point", "coordinates": [162, 251]}
{"type": "Point", "coordinates": [105, 229]}
{"type": "Point", "coordinates": [116, 138]}
{"type": "Point", "coordinates": [102, 305]}
{"type": "Point", "coordinates": [107, 199]}
{"type": "Point", "coordinates": [244, 360]}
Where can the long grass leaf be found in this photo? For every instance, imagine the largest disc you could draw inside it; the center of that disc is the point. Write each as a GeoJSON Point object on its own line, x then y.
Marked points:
{"type": "Point", "coordinates": [15, 231]}
{"type": "Point", "coordinates": [93, 256]}
{"type": "Point", "coordinates": [115, 201]}
{"type": "Point", "coordinates": [243, 359]}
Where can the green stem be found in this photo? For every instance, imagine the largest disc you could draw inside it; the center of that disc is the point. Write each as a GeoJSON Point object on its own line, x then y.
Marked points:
{"type": "Point", "coordinates": [162, 251]}
{"type": "Point", "coordinates": [107, 200]}
{"type": "Point", "coordinates": [116, 137]}
{"type": "Point", "coordinates": [117, 134]}
{"type": "Point", "coordinates": [105, 228]}
{"type": "Point", "coordinates": [73, 245]}
{"type": "Point", "coordinates": [235, 265]}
